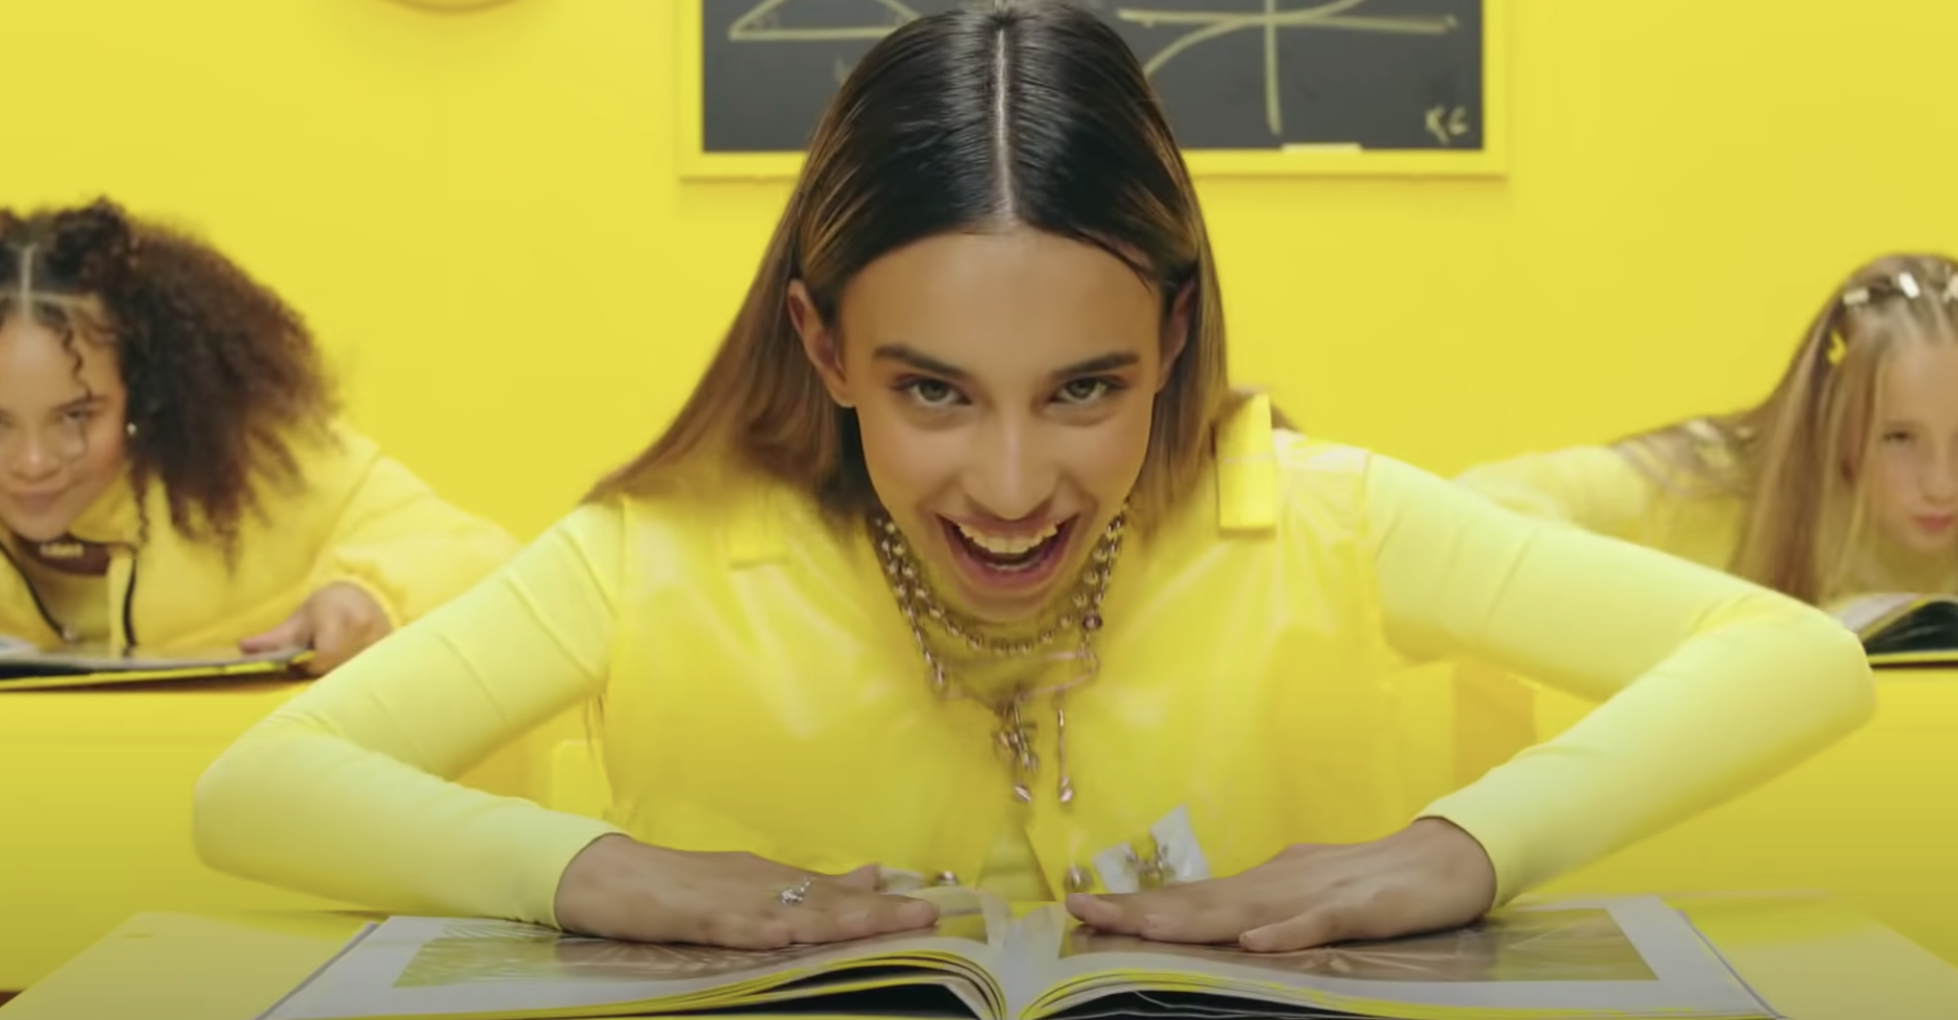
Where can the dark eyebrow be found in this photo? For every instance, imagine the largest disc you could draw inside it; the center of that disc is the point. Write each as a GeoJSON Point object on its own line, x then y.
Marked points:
{"type": "Point", "coordinates": [1096, 366]}
{"type": "Point", "coordinates": [924, 363]}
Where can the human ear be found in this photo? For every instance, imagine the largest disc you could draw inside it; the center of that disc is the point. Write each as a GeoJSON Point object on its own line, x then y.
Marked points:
{"type": "Point", "coordinates": [1176, 330]}
{"type": "Point", "coordinates": [818, 343]}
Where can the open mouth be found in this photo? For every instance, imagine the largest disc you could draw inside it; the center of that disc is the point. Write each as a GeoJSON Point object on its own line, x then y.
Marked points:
{"type": "Point", "coordinates": [1010, 560]}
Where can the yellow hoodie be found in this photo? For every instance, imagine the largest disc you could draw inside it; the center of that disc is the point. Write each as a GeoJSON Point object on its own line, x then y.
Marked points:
{"type": "Point", "coordinates": [358, 517]}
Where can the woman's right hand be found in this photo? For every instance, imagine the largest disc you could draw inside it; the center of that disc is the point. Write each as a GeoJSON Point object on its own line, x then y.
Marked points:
{"type": "Point", "coordinates": [619, 888]}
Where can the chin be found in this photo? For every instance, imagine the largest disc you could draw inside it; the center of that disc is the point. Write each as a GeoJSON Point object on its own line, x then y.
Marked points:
{"type": "Point", "coordinates": [1916, 542]}
{"type": "Point", "coordinates": [1942, 546]}
{"type": "Point", "coordinates": [45, 527]}
{"type": "Point", "coordinates": [36, 532]}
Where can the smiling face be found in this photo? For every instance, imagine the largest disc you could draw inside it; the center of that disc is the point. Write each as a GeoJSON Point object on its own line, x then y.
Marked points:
{"type": "Point", "coordinates": [1913, 487]}
{"type": "Point", "coordinates": [61, 427]}
{"type": "Point", "coordinates": [1003, 384]}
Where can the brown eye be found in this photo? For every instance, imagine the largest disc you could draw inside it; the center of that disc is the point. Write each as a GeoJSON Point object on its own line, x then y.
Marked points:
{"type": "Point", "coordinates": [1086, 391]}
{"type": "Point", "coordinates": [931, 392]}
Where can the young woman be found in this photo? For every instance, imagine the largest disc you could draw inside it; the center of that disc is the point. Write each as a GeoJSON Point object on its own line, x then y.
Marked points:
{"type": "Point", "coordinates": [1843, 482]}
{"type": "Point", "coordinates": [171, 473]}
{"type": "Point", "coordinates": [963, 565]}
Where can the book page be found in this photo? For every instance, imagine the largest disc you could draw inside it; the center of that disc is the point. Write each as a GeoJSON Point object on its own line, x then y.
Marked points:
{"type": "Point", "coordinates": [1633, 956]}
{"type": "Point", "coordinates": [1867, 614]}
{"type": "Point", "coordinates": [23, 662]}
{"type": "Point", "coordinates": [436, 967]}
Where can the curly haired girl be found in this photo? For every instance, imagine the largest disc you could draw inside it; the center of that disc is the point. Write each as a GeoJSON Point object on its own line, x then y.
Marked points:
{"type": "Point", "coordinates": [172, 471]}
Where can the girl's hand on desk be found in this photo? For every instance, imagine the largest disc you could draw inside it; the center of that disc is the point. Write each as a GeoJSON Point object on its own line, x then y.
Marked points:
{"type": "Point", "coordinates": [622, 889]}
{"type": "Point", "coordinates": [1430, 876]}
{"type": "Point", "coordinates": [337, 623]}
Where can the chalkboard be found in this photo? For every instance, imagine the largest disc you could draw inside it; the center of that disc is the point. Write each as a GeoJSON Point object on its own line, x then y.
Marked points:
{"type": "Point", "coordinates": [1237, 76]}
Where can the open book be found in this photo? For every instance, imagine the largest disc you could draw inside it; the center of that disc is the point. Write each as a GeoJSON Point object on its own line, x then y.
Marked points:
{"type": "Point", "coordinates": [1629, 957]}
{"type": "Point", "coordinates": [27, 667]}
{"type": "Point", "coordinates": [1904, 629]}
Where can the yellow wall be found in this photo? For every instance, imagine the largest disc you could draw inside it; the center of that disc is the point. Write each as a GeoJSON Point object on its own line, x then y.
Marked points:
{"type": "Point", "coordinates": [480, 215]}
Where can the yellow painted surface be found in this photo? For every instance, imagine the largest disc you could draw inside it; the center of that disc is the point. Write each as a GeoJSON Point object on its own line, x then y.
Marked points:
{"type": "Point", "coordinates": [1868, 820]}
{"type": "Point", "coordinates": [483, 216]}
{"type": "Point", "coordinates": [95, 793]}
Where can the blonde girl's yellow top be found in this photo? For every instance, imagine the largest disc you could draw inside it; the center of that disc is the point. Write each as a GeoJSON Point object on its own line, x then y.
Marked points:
{"type": "Point", "coordinates": [357, 517]}
{"type": "Point", "coordinates": [1611, 490]}
{"type": "Point", "coordinates": [760, 692]}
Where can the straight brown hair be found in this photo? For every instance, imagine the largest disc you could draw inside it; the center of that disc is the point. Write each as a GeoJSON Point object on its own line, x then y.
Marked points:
{"type": "Point", "coordinates": [1027, 113]}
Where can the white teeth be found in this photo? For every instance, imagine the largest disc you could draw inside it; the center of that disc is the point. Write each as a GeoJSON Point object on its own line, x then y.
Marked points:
{"type": "Point", "coordinates": [1008, 545]}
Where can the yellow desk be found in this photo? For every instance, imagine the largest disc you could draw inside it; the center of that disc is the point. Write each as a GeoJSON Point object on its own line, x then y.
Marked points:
{"type": "Point", "coordinates": [95, 799]}
{"type": "Point", "coordinates": [1810, 957]}
{"type": "Point", "coordinates": [1869, 820]}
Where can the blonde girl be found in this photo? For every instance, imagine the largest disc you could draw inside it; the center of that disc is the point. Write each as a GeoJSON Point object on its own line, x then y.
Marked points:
{"type": "Point", "coordinates": [1844, 481]}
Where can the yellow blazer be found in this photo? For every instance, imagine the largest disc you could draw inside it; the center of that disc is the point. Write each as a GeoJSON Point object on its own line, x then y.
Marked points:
{"type": "Point", "coordinates": [359, 517]}
{"type": "Point", "coordinates": [760, 693]}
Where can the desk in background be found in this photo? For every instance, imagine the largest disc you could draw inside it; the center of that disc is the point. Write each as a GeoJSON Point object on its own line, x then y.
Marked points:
{"type": "Point", "coordinates": [1811, 958]}
{"type": "Point", "coordinates": [95, 809]}
{"type": "Point", "coordinates": [1870, 819]}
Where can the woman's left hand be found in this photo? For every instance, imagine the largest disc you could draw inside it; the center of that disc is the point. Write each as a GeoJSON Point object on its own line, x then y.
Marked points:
{"type": "Point", "coordinates": [1430, 876]}
{"type": "Point", "coordinates": [337, 622]}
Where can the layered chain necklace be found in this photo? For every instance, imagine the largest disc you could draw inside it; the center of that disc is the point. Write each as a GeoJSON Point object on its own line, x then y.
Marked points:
{"type": "Point", "coordinates": [1013, 736]}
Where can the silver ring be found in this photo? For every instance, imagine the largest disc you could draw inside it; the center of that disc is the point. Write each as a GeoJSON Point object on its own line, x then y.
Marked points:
{"type": "Point", "coordinates": [796, 893]}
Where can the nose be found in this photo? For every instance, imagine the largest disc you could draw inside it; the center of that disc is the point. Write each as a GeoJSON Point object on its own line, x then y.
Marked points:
{"type": "Point", "coordinates": [31, 459]}
{"type": "Point", "coordinates": [1012, 472]}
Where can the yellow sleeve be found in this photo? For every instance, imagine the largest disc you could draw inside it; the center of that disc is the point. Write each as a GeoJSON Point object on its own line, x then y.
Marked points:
{"type": "Point", "coordinates": [393, 536]}
{"type": "Point", "coordinates": [1714, 685]}
{"type": "Point", "coordinates": [345, 791]}
{"type": "Point", "coordinates": [1593, 487]}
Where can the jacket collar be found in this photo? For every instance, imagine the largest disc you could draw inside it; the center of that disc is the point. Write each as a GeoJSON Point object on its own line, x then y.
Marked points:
{"type": "Point", "coordinates": [1247, 467]}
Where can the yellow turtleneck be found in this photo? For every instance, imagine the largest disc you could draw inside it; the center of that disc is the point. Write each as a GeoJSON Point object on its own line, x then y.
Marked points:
{"type": "Point", "coordinates": [761, 694]}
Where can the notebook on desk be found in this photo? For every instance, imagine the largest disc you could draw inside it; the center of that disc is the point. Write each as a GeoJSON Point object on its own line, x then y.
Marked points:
{"type": "Point", "coordinates": [1904, 629]}
{"type": "Point", "coordinates": [25, 666]}
{"type": "Point", "coordinates": [1624, 958]}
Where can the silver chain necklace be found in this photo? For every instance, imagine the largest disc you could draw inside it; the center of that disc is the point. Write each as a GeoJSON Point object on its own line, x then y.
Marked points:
{"type": "Point", "coordinates": [1014, 735]}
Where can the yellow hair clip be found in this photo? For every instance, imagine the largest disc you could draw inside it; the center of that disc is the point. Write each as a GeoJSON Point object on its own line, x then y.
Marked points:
{"type": "Point", "coordinates": [1838, 349]}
